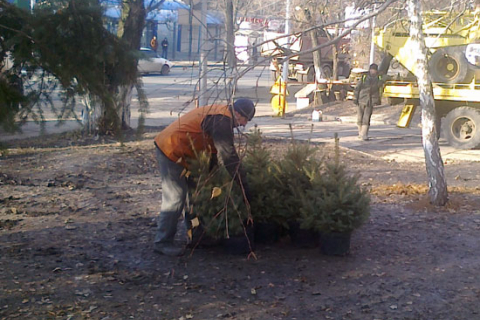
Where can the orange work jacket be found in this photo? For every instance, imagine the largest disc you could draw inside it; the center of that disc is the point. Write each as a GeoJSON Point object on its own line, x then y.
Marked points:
{"type": "Point", "coordinates": [184, 137]}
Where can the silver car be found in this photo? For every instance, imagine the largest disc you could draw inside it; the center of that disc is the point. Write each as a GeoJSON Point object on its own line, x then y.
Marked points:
{"type": "Point", "coordinates": [150, 62]}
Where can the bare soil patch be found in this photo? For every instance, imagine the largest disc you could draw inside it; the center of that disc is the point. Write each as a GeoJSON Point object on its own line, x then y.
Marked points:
{"type": "Point", "coordinates": [77, 220]}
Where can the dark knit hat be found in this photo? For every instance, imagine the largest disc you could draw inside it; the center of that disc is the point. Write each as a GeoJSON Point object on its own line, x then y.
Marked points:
{"type": "Point", "coordinates": [374, 66]}
{"type": "Point", "coordinates": [245, 107]}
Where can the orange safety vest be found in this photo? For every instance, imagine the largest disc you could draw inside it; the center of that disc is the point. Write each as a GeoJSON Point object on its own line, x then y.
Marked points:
{"type": "Point", "coordinates": [184, 137]}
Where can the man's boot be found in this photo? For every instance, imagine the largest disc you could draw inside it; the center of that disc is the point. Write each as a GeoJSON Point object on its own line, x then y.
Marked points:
{"type": "Point", "coordinates": [359, 131]}
{"type": "Point", "coordinates": [364, 132]}
{"type": "Point", "coordinates": [169, 249]}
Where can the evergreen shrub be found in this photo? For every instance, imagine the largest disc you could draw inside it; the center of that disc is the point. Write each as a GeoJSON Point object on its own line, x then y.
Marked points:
{"type": "Point", "coordinates": [295, 187]}
{"type": "Point", "coordinates": [266, 204]}
{"type": "Point", "coordinates": [335, 201]}
{"type": "Point", "coordinates": [215, 199]}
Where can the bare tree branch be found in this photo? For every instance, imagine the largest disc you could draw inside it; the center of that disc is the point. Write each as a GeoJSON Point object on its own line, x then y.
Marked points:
{"type": "Point", "coordinates": [153, 5]}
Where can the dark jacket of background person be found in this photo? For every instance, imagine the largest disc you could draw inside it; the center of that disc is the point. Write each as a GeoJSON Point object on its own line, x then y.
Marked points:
{"type": "Point", "coordinates": [368, 91]}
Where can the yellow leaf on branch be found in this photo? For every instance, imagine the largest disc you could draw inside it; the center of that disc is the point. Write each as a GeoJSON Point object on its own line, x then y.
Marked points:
{"type": "Point", "coordinates": [216, 191]}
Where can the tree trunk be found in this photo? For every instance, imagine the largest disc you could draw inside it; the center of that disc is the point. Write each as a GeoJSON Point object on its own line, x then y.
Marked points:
{"type": "Point", "coordinates": [317, 56]}
{"type": "Point", "coordinates": [131, 23]}
{"type": "Point", "coordinates": [124, 104]}
{"type": "Point", "coordinates": [433, 159]}
{"type": "Point", "coordinates": [90, 114]}
{"type": "Point", "coordinates": [335, 56]}
{"type": "Point", "coordinates": [130, 28]}
{"type": "Point", "coordinates": [230, 30]}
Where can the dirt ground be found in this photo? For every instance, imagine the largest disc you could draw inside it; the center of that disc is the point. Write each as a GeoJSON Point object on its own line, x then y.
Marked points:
{"type": "Point", "coordinates": [77, 220]}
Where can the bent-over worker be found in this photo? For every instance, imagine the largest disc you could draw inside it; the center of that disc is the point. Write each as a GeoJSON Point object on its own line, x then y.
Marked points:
{"type": "Point", "coordinates": [208, 128]}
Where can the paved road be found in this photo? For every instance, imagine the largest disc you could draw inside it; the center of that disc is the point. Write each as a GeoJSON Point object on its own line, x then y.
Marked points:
{"type": "Point", "coordinates": [169, 96]}
{"type": "Point", "coordinates": [172, 95]}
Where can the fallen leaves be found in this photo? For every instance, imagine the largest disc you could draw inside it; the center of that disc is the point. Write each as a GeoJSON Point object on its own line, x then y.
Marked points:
{"type": "Point", "coordinates": [162, 283]}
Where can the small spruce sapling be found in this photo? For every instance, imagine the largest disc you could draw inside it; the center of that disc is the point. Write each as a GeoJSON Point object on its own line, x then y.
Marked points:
{"type": "Point", "coordinates": [215, 198]}
{"type": "Point", "coordinates": [265, 203]}
{"type": "Point", "coordinates": [294, 173]}
{"type": "Point", "coordinates": [335, 202]}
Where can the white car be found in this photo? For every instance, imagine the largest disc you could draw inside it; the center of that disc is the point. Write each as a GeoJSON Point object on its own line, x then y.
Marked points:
{"type": "Point", "coordinates": [150, 62]}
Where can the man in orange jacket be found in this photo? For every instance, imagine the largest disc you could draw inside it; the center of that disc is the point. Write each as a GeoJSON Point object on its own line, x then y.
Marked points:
{"type": "Point", "coordinates": [207, 128]}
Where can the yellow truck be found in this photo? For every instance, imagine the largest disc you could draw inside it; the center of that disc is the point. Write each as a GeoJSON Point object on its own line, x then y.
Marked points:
{"type": "Point", "coordinates": [453, 42]}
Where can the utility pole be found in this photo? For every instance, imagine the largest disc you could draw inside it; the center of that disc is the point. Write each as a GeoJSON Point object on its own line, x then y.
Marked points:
{"type": "Point", "coordinates": [202, 92]}
{"type": "Point", "coordinates": [287, 31]}
{"type": "Point", "coordinates": [372, 45]}
{"type": "Point", "coordinates": [285, 63]}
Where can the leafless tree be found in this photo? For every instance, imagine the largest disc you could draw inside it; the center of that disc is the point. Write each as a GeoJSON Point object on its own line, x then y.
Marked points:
{"type": "Point", "coordinates": [433, 159]}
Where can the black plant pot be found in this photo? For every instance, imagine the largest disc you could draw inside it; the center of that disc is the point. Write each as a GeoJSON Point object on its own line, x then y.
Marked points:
{"type": "Point", "coordinates": [201, 240]}
{"type": "Point", "coordinates": [241, 243]}
{"type": "Point", "coordinates": [335, 243]}
{"type": "Point", "coordinates": [266, 232]}
{"type": "Point", "coordinates": [302, 238]}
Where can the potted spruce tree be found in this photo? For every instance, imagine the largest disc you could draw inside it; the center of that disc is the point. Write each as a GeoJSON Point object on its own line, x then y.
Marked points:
{"type": "Point", "coordinates": [265, 205]}
{"type": "Point", "coordinates": [294, 173]}
{"type": "Point", "coordinates": [217, 201]}
{"type": "Point", "coordinates": [335, 205]}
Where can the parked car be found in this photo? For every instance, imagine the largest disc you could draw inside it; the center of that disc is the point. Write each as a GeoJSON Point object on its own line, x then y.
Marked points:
{"type": "Point", "coordinates": [150, 62]}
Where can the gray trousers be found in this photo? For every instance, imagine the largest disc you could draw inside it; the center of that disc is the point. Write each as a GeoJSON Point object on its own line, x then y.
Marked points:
{"type": "Point", "coordinates": [174, 195]}
{"type": "Point", "coordinates": [364, 113]}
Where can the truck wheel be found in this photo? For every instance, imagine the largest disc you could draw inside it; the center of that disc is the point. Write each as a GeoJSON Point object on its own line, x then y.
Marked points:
{"type": "Point", "coordinates": [449, 65]}
{"type": "Point", "coordinates": [462, 128]}
{"type": "Point", "coordinates": [327, 71]}
{"type": "Point", "coordinates": [310, 74]}
{"type": "Point", "coordinates": [345, 70]}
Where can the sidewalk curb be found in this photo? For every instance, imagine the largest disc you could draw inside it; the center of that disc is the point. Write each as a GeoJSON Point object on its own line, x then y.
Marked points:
{"type": "Point", "coordinates": [195, 63]}
{"type": "Point", "coordinates": [353, 119]}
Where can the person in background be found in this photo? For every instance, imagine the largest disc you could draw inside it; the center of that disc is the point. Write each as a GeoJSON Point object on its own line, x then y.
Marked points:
{"type": "Point", "coordinates": [154, 43]}
{"type": "Point", "coordinates": [164, 48]}
{"type": "Point", "coordinates": [208, 128]}
{"type": "Point", "coordinates": [368, 93]}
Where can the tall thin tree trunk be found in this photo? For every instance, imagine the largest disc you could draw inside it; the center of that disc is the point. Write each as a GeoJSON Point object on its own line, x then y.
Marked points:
{"type": "Point", "coordinates": [317, 56]}
{"type": "Point", "coordinates": [90, 114]}
{"type": "Point", "coordinates": [124, 104]}
{"type": "Point", "coordinates": [433, 159]}
{"type": "Point", "coordinates": [230, 30]}
{"type": "Point", "coordinates": [130, 28]}
{"type": "Point", "coordinates": [335, 56]}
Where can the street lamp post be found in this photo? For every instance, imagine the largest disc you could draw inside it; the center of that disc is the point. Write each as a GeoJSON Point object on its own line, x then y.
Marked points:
{"type": "Point", "coordinates": [372, 44]}
{"type": "Point", "coordinates": [285, 63]}
{"type": "Point", "coordinates": [202, 94]}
